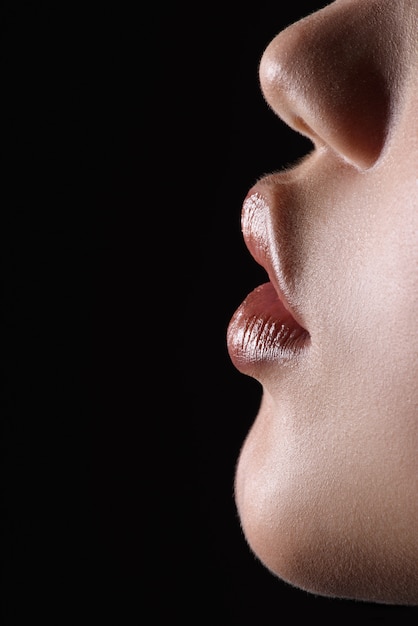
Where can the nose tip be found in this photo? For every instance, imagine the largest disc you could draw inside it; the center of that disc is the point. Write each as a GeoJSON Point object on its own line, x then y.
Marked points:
{"type": "Point", "coordinates": [323, 80]}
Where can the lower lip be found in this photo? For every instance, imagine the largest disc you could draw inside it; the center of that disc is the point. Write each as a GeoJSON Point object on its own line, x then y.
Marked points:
{"type": "Point", "coordinates": [263, 331]}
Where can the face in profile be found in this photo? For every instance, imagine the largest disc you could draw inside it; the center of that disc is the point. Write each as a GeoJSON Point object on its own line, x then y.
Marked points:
{"type": "Point", "coordinates": [327, 479]}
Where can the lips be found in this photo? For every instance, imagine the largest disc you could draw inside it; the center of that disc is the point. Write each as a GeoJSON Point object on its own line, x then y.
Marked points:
{"type": "Point", "coordinates": [264, 329]}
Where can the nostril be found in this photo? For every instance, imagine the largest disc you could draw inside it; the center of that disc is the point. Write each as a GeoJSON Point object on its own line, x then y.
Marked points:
{"type": "Point", "coordinates": [302, 127]}
{"type": "Point", "coordinates": [365, 115]}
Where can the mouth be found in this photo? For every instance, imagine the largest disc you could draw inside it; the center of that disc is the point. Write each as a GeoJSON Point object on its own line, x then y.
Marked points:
{"type": "Point", "coordinates": [264, 329]}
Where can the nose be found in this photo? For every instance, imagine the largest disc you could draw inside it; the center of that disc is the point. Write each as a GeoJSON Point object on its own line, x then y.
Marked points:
{"type": "Point", "coordinates": [331, 77]}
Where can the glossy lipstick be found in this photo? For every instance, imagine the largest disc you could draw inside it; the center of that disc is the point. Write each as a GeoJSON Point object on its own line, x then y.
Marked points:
{"type": "Point", "coordinates": [264, 329]}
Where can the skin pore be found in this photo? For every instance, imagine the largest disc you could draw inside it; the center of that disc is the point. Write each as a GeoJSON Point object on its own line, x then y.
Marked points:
{"type": "Point", "coordinates": [327, 479]}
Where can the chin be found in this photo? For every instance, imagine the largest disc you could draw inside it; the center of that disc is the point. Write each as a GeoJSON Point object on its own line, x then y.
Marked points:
{"type": "Point", "coordinates": [316, 539]}
{"type": "Point", "coordinates": [302, 555]}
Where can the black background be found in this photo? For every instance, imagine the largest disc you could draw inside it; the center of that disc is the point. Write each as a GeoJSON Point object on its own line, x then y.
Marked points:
{"type": "Point", "coordinates": [132, 137]}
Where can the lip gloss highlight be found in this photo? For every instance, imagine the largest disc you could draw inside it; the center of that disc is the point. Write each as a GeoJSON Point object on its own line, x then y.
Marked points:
{"type": "Point", "coordinates": [263, 330]}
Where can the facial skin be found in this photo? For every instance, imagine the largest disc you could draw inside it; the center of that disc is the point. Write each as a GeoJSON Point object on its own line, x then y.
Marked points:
{"type": "Point", "coordinates": [327, 479]}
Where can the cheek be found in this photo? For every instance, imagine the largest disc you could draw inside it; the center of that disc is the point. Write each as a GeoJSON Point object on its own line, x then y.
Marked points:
{"type": "Point", "coordinates": [358, 281]}
{"type": "Point", "coordinates": [368, 343]}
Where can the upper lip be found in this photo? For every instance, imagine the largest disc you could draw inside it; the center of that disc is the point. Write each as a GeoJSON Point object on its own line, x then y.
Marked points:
{"type": "Point", "coordinates": [263, 234]}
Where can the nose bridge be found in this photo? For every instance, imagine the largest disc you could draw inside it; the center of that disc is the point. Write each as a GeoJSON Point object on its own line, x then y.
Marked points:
{"type": "Point", "coordinates": [327, 78]}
